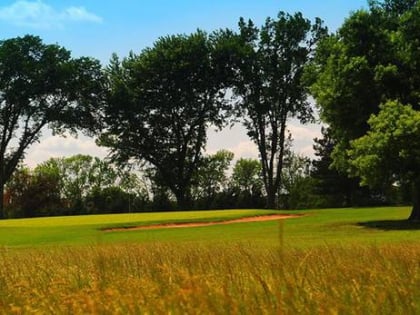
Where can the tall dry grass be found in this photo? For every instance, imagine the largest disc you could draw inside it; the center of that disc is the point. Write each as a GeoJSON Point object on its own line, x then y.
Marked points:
{"type": "Point", "coordinates": [203, 279]}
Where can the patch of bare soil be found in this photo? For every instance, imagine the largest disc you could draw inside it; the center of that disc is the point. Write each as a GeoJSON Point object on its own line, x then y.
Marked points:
{"type": "Point", "coordinates": [271, 217]}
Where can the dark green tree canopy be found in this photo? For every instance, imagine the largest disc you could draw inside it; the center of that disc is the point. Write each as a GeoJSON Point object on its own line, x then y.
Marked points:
{"type": "Point", "coordinates": [41, 85]}
{"type": "Point", "coordinates": [246, 175]}
{"type": "Point", "coordinates": [211, 178]}
{"type": "Point", "coordinates": [161, 103]}
{"type": "Point", "coordinates": [336, 186]}
{"type": "Point", "coordinates": [390, 151]}
{"type": "Point", "coordinates": [270, 85]}
{"type": "Point", "coordinates": [371, 59]}
{"type": "Point", "coordinates": [392, 7]}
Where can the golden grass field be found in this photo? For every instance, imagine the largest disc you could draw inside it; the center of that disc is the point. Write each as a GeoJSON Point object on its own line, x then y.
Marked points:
{"type": "Point", "coordinates": [356, 261]}
{"type": "Point", "coordinates": [224, 279]}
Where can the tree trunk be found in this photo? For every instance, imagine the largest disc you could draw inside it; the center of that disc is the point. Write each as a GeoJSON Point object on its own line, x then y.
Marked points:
{"type": "Point", "coordinates": [2, 214]}
{"type": "Point", "coordinates": [183, 200]}
{"type": "Point", "coordinates": [415, 212]}
{"type": "Point", "coordinates": [271, 198]}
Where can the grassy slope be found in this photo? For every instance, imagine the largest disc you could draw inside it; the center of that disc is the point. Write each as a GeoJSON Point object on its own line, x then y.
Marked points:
{"type": "Point", "coordinates": [222, 269]}
{"type": "Point", "coordinates": [87, 229]}
{"type": "Point", "coordinates": [317, 227]}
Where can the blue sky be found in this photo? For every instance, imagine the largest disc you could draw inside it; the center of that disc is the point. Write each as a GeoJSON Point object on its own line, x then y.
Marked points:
{"type": "Point", "coordinates": [97, 28]}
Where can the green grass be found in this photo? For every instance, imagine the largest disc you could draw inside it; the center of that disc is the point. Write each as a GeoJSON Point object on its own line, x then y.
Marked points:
{"type": "Point", "coordinates": [89, 229]}
{"type": "Point", "coordinates": [331, 261]}
{"type": "Point", "coordinates": [314, 228]}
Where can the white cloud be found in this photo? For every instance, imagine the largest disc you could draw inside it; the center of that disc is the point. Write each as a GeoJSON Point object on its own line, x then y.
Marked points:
{"type": "Point", "coordinates": [233, 139]}
{"type": "Point", "coordinates": [307, 151]}
{"type": "Point", "coordinates": [80, 14]}
{"type": "Point", "coordinates": [303, 136]}
{"type": "Point", "coordinates": [37, 14]}
{"type": "Point", "coordinates": [245, 149]}
{"type": "Point", "coordinates": [55, 146]}
{"type": "Point", "coordinates": [236, 140]}
{"type": "Point", "coordinates": [304, 132]}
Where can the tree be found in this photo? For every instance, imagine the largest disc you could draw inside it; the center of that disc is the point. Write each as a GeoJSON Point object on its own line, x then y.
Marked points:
{"type": "Point", "coordinates": [393, 7]}
{"type": "Point", "coordinates": [14, 190]}
{"type": "Point", "coordinates": [41, 85]}
{"type": "Point", "coordinates": [295, 168]}
{"type": "Point", "coordinates": [75, 184]}
{"type": "Point", "coordinates": [246, 175]}
{"type": "Point", "coordinates": [211, 177]}
{"type": "Point", "coordinates": [80, 175]}
{"type": "Point", "coordinates": [372, 58]}
{"type": "Point", "coordinates": [160, 105]}
{"type": "Point", "coordinates": [390, 151]}
{"type": "Point", "coordinates": [33, 193]}
{"type": "Point", "coordinates": [111, 199]}
{"type": "Point", "coordinates": [270, 86]}
{"type": "Point", "coordinates": [247, 183]}
{"type": "Point", "coordinates": [334, 187]}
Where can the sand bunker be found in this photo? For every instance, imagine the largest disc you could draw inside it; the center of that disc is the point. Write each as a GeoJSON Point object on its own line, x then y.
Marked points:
{"type": "Point", "coordinates": [198, 224]}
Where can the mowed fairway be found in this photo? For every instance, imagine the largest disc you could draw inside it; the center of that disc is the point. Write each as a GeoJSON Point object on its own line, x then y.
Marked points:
{"type": "Point", "coordinates": [91, 230]}
{"type": "Point", "coordinates": [313, 228]}
{"type": "Point", "coordinates": [346, 261]}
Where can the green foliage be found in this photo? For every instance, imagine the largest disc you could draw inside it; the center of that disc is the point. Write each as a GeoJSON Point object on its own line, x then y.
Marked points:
{"type": "Point", "coordinates": [42, 85]}
{"type": "Point", "coordinates": [296, 167]}
{"type": "Point", "coordinates": [247, 183]}
{"type": "Point", "coordinates": [390, 151]}
{"type": "Point", "coordinates": [394, 7]}
{"type": "Point", "coordinates": [79, 174]}
{"type": "Point", "coordinates": [34, 194]}
{"type": "Point", "coordinates": [270, 86]}
{"type": "Point", "coordinates": [371, 59]}
{"type": "Point", "coordinates": [211, 178]}
{"type": "Point", "coordinates": [295, 191]}
{"type": "Point", "coordinates": [74, 185]}
{"type": "Point", "coordinates": [333, 187]}
{"type": "Point", "coordinates": [160, 105]}
{"type": "Point", "coordinates": [246, 175]}
{"type": "Point", "coordinates": [111, 200]}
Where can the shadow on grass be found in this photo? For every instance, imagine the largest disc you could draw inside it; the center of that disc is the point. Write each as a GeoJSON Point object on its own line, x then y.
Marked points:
{"type": "Point", "coordinates": [391, 225]}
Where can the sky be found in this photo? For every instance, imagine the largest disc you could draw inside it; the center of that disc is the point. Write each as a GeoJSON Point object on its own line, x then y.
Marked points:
{"type": "Point", "coordinates": [98, 28]}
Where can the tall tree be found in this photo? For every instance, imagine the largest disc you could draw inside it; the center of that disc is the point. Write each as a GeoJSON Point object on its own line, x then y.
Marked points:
{"type": "Point", "coordinates": [246, 175]}
{"type": "Point", "coordinates": [41, 85]}
{"type": "Point", "coordinates": [390, 151]}
{"type": "Point", "coordinates": [211, 177]}
{"type": "Point", "coordinates": [371, 58]}
{"type": "Point", "coordinates": [332, 185]}
{"type": "Point", "coordinates": [34, 193]}
{"type": "Point", "coordinates": [80, 174]}
{"type": "Point", "coordinates": [246, 184]}
{"type": "Point", "coordinates": [297, 185]}
{"type": "Point", "coordinates": [270, 86]}
{"type": "Point", "coordinates": [393, 7]}
{"type": "Point", "coordinates": [160, 105]}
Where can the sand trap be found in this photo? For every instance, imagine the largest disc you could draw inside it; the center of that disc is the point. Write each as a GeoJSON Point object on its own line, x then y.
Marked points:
{"type": "Point", "coordinates": [271, 217]}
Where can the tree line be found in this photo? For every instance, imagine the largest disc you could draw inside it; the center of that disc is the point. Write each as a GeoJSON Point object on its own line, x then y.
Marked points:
{"type": "Point", "coordinates": [154, 108]}
{"type": "Point", "coordinates": [82, 184]}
